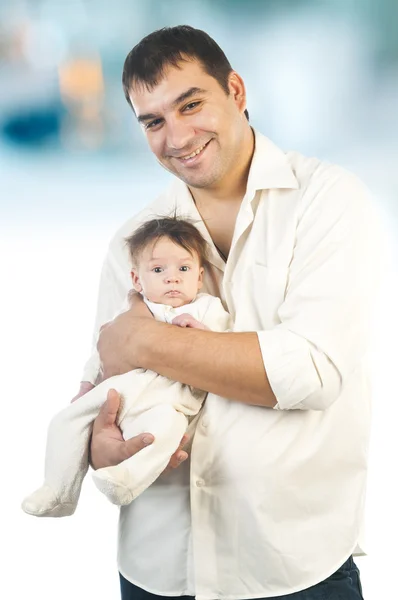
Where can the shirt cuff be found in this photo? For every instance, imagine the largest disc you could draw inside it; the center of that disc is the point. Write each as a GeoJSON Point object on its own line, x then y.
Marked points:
{"type": "Point", "coordinates": [290, 369]}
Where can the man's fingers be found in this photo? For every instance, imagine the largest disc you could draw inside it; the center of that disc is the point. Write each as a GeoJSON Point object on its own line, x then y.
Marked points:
{"type": "Point", "coordinates": [135, 444]}
{"type": "Point", "coordinates": [108, 411]}
{"type": "Point", "coordinates": [177, 458]}
{"type": "Point", "coordinates": [184, 440]}
{"type": "Point", "coordinates": [179, 455]}
{"type": "Point", "coordinates": [104, 326]}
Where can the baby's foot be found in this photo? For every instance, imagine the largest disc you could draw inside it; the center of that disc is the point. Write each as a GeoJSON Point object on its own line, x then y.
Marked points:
{"type": "Point", "coordinates": [115, 483]}
{"type": "Point", "coordinates": [44, 503]}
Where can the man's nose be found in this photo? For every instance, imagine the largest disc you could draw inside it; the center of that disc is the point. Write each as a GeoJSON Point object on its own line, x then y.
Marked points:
{"type": "Point", "coordinates": [179, 135]}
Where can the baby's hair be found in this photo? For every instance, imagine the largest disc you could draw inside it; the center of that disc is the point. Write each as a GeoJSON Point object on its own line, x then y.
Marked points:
{"type": "Point", "coordinates": [180, 231]}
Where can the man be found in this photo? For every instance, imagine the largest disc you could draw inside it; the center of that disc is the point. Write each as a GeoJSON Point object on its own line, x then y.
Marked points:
{"type": "Point", "coordinates": [272, 502]}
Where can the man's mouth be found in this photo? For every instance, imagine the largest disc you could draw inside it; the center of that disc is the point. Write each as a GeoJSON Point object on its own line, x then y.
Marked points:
{"type": "Point", "coordinates": [193, 154]}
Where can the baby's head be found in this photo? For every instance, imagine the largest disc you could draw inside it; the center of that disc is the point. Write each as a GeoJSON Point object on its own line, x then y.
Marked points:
{"type": "Point", "coordinates": [168, 257]}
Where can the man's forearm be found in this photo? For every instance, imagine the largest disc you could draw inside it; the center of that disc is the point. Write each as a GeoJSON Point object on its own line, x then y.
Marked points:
{"type": "Point", "coordinates": [227, 364]}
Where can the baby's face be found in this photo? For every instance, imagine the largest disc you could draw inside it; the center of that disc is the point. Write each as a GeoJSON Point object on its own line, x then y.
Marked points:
{"type": "Point", "coordinates": [168, 274]}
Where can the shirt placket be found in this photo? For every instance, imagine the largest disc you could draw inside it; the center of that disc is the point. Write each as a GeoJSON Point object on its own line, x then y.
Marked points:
{"type": "Point", "coordinates": [244, 220]}
{"type": "Point", "coordinates": [202, 496]}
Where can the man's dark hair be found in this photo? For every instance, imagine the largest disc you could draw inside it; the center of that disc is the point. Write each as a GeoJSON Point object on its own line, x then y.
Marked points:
{"type": "Point", "coordinates": [147, 61]}
{"type": "Point", "coordinates": [180, 231]}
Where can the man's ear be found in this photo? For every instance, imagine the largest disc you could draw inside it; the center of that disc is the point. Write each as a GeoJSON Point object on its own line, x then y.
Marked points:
{"type": "Point", "coordinates": [200, 280]}
{"type": "Point", "coordinates": [135, 279]}
{"type": "Point", "coordinates": [237, 89]}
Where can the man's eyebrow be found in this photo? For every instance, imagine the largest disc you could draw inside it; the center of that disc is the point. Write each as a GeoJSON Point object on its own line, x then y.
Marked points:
{"type": "Point", "coordinates": [147, 117]}
{"type": "Point", "coordinates": [192, 91]}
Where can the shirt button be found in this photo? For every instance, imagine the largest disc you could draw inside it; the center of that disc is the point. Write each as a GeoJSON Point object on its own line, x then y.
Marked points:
{"type": "Point", "coordinates": [205, 421]}
{"type": "Point", "coordinates": [199, 483]}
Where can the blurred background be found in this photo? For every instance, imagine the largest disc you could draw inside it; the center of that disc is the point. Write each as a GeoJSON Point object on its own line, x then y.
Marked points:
{"type": "Point", "coordinates": [322, 78]}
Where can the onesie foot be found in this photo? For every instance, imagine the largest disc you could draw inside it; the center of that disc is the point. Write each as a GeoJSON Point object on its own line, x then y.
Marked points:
{"type": "Point", "coordinates": [44, 503]}
{"type": "Point", "coordinates": [115, 483]}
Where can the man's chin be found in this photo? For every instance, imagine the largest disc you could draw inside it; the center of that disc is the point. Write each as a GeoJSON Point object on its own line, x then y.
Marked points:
{"type": "Point", "coordinates": [199, 183]}
{"type": "Point", "coordinates": [195, 180]}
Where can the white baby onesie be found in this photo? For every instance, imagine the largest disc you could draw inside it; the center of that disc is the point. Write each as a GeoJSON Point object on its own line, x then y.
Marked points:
{"type": "Point", "coordinates": [150, 403]}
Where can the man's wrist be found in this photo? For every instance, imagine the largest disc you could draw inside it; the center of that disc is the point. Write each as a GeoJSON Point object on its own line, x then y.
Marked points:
{"type": "Point", "coordinates": [150, 341]}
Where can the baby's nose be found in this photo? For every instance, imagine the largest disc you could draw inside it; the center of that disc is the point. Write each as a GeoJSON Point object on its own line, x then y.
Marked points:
{"type": "Point", "coordinates": [173, 278]}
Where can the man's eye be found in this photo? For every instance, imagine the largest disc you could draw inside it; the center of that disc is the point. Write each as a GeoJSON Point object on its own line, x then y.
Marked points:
{"type": "Point", "coordinates": [153, 123]}
{"type": "Point", "coordinates": [157, 270]}
{"type": "Point", "coordinates": [184, 268]}
{"type": "Point", "coordinates": [191, 105]}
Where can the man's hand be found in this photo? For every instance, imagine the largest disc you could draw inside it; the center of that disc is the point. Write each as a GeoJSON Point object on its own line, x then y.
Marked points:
{"type": "Point", "coordinates": [137, 304]}
{"type": "Point", "coordinates": [118, 335]}
{"type": "Point", "coordinates": [108, 448]}
{"type": "Point", "coordinates": [186, 320]}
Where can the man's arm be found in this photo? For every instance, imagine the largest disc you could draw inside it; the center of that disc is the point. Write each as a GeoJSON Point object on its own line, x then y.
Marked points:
{"type": "Point", "coordinates": [323, 334]}
{"type": "Point", "coordinates": [227, 364]}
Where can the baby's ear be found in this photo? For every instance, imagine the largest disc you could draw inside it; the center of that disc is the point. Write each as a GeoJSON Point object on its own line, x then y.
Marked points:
{"type": "Point", "coordinates": [136, 282]}
{"type": "Point", "coordinates": [200, 281]}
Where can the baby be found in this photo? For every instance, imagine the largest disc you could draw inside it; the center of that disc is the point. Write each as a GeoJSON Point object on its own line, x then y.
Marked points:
{"type": "Point", "coordinates": [169, 256]}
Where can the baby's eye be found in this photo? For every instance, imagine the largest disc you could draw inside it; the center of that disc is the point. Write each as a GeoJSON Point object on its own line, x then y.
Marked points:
{"type": "Point", "coordinates": [184, 268]}
{"type": "Point", "coordinates": [157, 270]}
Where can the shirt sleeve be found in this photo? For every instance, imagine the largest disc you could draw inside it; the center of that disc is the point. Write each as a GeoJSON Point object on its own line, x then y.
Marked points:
{"type": "Point", "coordinates": [114, 286]}
{"type": "Point", "coordinates": [325, 317]}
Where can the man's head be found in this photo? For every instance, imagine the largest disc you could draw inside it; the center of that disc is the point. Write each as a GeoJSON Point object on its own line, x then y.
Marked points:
{"type": "Point", "coordinates": [168, 256]}
{"type": "Point", "coordinates": [190, 103]}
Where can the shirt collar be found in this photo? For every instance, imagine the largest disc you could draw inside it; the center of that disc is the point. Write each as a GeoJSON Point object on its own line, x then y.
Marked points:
{"type": "Point", "coordinates": [270, 168]}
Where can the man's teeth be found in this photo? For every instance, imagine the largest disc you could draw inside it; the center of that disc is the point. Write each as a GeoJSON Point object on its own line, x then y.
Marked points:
{"type": "Point", "coordinates": [193, 153]}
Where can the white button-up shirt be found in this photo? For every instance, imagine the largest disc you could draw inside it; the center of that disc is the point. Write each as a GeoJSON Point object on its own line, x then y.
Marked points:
{"type": "Point", "coordinates": [272, 500]}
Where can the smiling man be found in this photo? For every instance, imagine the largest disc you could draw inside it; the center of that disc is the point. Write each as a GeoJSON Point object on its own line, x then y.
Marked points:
{"type": "Point", "coordinates": [270, 504]}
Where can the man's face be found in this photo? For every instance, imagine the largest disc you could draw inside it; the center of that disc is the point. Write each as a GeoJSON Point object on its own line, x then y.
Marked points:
{"type": "Point", "coordinates": [192, 126]}
{"type": "Point", "coordinates": [168, 274]}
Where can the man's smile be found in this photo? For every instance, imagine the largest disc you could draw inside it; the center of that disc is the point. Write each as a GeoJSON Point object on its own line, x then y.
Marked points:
{"type": "Point", "coordinates": [188, 159]}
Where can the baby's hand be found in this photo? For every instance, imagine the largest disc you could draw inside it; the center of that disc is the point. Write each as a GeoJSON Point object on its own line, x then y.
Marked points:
{"type": "Point", "coordinates": [186, 320]}
{"type": "Point", "coordinates": [85, 386]}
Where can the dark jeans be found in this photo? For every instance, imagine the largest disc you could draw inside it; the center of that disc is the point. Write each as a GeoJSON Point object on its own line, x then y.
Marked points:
{"type": "Point", "coordinates": [344, 584]}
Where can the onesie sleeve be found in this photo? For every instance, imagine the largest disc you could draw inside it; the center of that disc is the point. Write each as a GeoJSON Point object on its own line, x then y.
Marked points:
{"type": "Point", "coordinates": [215, 317]}
{"type": "Point", "coordinates": [92, 368]}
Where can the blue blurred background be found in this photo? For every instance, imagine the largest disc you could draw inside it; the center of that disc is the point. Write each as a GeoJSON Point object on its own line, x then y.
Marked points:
{"type": "Point", "coordinates": [322, 78]}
